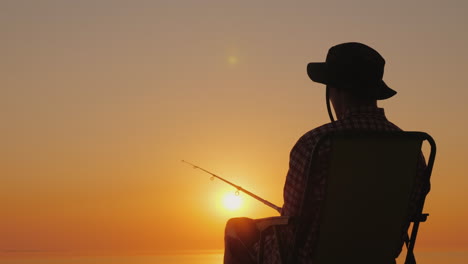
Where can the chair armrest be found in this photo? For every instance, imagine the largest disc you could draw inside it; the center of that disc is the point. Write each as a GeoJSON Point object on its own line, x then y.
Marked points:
{"type": "Point", "coordinates": [265, 223]}
{"type": "Point", "coordinates": [420, 218]}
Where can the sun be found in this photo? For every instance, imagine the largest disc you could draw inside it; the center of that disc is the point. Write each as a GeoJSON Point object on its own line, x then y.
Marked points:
{"type": "Point", "coordinates": [232, 201]}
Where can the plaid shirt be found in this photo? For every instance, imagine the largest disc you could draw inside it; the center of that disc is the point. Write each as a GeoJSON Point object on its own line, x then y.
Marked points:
{"type": "Point", "coordinates": [363, 118]}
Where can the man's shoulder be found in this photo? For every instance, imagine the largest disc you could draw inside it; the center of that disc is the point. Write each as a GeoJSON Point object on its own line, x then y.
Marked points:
{"type": "Point", "coordinates": [312, 136]}
{"type": "Point", "coordinates": [319, 131]}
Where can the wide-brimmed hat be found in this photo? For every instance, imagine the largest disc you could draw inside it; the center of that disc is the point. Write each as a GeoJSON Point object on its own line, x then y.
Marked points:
{"type": "Point", "coordinates": [355, 67]}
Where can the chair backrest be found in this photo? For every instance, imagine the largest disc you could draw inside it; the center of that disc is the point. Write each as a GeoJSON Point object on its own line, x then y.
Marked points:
{"type": "Point", "coordinates": [369, 184]}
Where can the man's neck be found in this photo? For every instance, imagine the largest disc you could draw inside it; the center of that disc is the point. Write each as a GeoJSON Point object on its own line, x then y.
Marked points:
{"type": "Point", "coordinates": [341, 111]}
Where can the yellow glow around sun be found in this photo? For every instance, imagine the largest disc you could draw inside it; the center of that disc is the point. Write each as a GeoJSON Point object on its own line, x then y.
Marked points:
{"type": "Point", "coordinates": [232, 201]}
{"type": "Point", "coordinates": [232, 60]}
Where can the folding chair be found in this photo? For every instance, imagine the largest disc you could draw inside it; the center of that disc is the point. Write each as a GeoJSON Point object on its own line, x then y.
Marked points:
{"type": "Point", "coordinates": [366, 206]}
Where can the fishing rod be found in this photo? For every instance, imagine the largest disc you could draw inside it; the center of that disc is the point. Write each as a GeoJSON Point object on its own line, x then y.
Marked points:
{"type": "Point", "coordinates": [277, 208]}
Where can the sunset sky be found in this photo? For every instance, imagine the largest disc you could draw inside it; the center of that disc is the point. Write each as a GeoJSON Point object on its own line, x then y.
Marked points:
{"type": "Point", "coordinates": [100, 101]}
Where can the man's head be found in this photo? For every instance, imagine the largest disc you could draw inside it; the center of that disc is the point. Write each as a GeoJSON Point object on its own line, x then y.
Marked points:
{"type": "Point", "coordinates": [353, 72]}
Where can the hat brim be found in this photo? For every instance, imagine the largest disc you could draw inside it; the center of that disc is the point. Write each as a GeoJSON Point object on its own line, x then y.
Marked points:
{"type": "Point", "coordinates": [384, 91]}
{"type": "Point", "coordinates": [318, 72]}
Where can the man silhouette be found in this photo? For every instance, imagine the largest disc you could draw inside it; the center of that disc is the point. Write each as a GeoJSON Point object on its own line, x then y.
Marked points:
{"type": "Point", "coordinates": [353, 75]}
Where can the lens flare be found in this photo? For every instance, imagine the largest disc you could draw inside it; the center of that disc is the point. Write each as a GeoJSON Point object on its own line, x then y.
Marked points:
{"type": "Point", "coordinates": [232, 60]}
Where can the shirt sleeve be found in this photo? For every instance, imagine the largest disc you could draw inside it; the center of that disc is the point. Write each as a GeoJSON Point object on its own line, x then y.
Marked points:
{"type": "Point", "coordinates": [296, 178]}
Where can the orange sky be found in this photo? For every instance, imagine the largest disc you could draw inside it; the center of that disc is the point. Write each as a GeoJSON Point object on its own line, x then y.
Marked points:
{"type": "Point", "coordinates": [102, 99]}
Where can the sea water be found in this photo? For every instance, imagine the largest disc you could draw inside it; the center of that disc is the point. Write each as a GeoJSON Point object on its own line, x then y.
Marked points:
{"type": "Point", "coordinates": [141, 259]}
{"type": "Point", "coordinates": [426, 257]}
